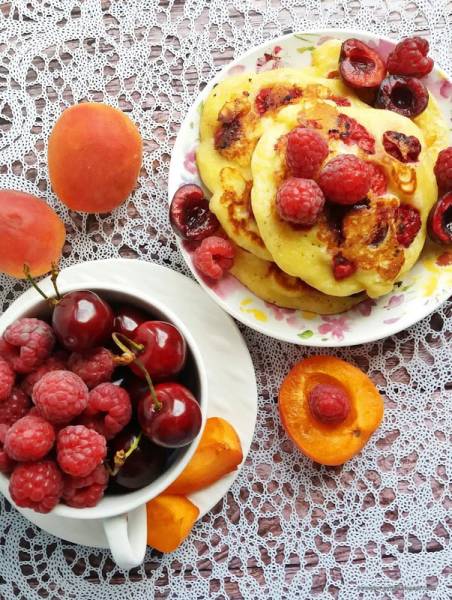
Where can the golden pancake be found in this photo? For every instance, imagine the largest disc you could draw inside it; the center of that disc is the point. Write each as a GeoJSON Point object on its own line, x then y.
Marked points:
{"type": "Point", "coordinates": [265, 279]}
{"type": "Point", "coordinates": [233, 118]}
{"type": "Point", "coordinates": [308, 254]}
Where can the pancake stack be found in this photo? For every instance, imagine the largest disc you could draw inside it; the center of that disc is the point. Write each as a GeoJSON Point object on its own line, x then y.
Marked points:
{"type": "Point", "coordinates": [241, 160]}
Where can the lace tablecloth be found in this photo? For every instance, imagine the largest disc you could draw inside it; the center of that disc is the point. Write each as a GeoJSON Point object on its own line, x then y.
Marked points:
{"type": "Point", "coordinates": [380, 526]}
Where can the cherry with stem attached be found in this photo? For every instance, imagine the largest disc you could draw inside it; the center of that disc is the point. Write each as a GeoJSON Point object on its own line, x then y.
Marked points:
{"type": "Point", "coordinates": [81, 319]}
{"type": "Point", "coordinates": [169, 414]}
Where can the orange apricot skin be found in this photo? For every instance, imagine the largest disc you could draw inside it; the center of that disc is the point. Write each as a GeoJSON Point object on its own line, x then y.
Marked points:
{"type": "Point", "coordinates": [219, 453]}
{"type": "Point", "coordinates": [170, 518]}
{"type": "Point", "coordinates": [329, 444]}
{"type": "Point", "coordinates": [94, 156]}
{"type": "Point", "coordinates": [31, 233]}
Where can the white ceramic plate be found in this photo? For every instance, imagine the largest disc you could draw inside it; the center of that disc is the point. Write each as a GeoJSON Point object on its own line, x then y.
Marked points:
{"type": "Point", "coordinates": [231, 382]}
{"type": "Point", "coordinates": [424, 289]}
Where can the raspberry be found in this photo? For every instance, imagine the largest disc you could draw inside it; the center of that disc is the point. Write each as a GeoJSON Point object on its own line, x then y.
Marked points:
{"type": "Point", "coordinates": [53, 363]}
{"type": "Point", "coordinates": [409, 57]}
{"type": "Point", "coordinates": [80, 450]}
{"type": "Point", "coordinates": [36, 485]}
{"type": "Point", "coordinates": [94, 366]}
{"type": "Point", "coordinates": [84, 492]}
{"type": "Point", "coordinates": [345, 179]}
{"type": "Point", "coordinates": [60, 396]}
{"type": "Point", "coordinates": [299, 201]}
{"type": "Point", "coordinates": [330, 404]}
{"type": "Point", "coordinates": [7, 378]}
{"type": "Point", "coordinates": [351, 132]}
{"type": "Point", "coordinates": [30, 438]}
{"type": "Point", "coordinates": [6, 463]}
{"type": "Point", "coordinates": [443, 169]}
{"type": "Point", "coordinates": [342, 267]}
{"type": "Point", "coordinates": [109, 410]}
{"type": "Point", "coordinates": [408, 224]}
{"type": "Point", "coordinates": [378, 179]}
{"type": "Point", "coordinates": [407, 96]}
{"type": "Point", "coordinates": [28, 343]}
{"type": "Point", "coordinates": [15, 407]}
{"type": "Point", "coordinates": [405, 148]}
{"type": "Point", "coordinates": [214, 256]}
{"type": "Point", "coordinates": [305, 153]}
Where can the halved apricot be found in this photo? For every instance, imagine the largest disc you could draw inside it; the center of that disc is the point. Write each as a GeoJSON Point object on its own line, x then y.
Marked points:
{"type": "Point", "coordinates": [170, 518]}
{"type": "Point", "coordinates": [219, 453]}
{"type": "Point", "coordinates": [31, 233]}
{"type": "Point", "coordinates": [94, 157]}
{"type": "Point", "coordinates": [329, 443]}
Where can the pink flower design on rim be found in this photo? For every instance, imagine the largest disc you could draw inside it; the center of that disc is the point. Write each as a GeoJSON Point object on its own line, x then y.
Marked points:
{"type": "Point", "coordinates": [383, 47]}
{"type": "Point", "coordinates": [190, 162]}
{"type": "Point", "coordinates": [336, 326]}
{"type": "Point", "coordinates": [395, 301]}
{"type": "Point", "coordinates": [269, 61]}
{"type": "Point", "coordinates": [236, 69]}
{"type": "Point", "coordinates": [445, 89]}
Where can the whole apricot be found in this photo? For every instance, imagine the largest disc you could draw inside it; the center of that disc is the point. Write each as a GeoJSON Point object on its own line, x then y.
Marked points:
{"type": "Point", "coordinates": [329, 408]}
{"type": "Point", "coordinates": [31, 233]}
{"type": "Point", "coordinates": [94, 157]}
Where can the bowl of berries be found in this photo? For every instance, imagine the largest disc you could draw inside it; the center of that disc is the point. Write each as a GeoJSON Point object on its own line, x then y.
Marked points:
{"type": "Point", "coordinates": [103, 400]}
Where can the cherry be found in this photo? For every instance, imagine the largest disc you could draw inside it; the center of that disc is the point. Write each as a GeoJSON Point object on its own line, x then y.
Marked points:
{"type": "Point", "coordinates": [128, 318]}
{"type": "Point", "coordinates": [405, 148]}
{"type": "Point", "coordinates": [190, 215]}
{"type": "Point", "coordinates": [144, 464]}
{"type": "Point", "coordinates": [407, 96]}
{"type": "Point", "coordinates": [164, 350]}
{"type": "Point", "coordinates": [440, 221]}
{"type": "Point", "coordinates": [82, 320]}
{"type": "Point", "coordinates": [174, 420]}
{"type": "Point", "coordinates": [359, 65]}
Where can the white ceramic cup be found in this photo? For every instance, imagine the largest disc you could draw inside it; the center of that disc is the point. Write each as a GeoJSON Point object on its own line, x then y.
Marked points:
{"type": "Point", "coordinates": [124, 515]}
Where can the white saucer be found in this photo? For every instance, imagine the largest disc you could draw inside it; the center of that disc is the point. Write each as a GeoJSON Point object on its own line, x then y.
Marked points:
{"type": "Point", "coordinates": [232, 383]}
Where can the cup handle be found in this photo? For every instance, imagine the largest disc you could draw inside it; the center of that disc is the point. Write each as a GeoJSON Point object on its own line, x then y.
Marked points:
{"type": "Point", "coordinates": [126, 535]}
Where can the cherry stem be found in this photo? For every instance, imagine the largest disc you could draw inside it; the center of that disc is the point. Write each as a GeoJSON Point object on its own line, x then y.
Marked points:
{"type": "Point", "coordinates": [30, 279]}
{"type": "Point", "coordinates": [130, 355]}
{"type": "Point", "coordinates": [121, 456]}
{"type": "Point", "coordinates": [53, 277]}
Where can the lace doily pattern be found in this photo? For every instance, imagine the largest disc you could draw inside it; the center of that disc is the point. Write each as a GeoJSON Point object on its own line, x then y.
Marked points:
{"type": "Point", "coordinates": [378, 527]}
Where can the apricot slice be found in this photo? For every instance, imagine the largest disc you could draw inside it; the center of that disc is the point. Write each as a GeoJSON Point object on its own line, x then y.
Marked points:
{"type": "Point", "coordinates": [94, 157]}
{"type": "Point", "coordinates": [31, 233]}
{"type": "Point", "coordinates": [170, 518]}
{"type": "Point", "coordinates": [219, 453]}
{"type": "Point", "coordinates": [329, 443]}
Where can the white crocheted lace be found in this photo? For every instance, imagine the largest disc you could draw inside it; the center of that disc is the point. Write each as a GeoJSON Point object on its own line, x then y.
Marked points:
{"type": "Point", "coordinates": [380, 526]}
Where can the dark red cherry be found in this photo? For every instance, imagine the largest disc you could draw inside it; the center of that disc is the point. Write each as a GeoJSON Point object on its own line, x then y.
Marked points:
{"type": "Point", "coordinates": [407, 96]}
{"type": "Point", "coordinates": [178, 420]}
{"type": "Point", "coordinates": [82, 320]}
{"type": "Point", "coordinates": [360, 66]}
{"type": "Point", "coordinates": [440, 221]}
{"type": "Point", "coordinates": [128, 318]}
{"type": "Point", "coordinates": [164, 349]}
{"type": "Point", "coordinates": [143, 465]}
{"type": "Point", "coordinates": [190, 215]}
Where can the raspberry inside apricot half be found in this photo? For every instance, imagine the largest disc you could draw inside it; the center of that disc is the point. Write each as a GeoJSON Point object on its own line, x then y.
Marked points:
{"type": "Point", "coordinates": [336, 442]}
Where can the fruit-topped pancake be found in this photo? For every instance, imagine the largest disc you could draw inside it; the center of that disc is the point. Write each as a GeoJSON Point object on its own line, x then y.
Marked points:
{"type": "Point", "coordinates": [322, 178]}
{"type": "Point", "coordinates": [377, 188]}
